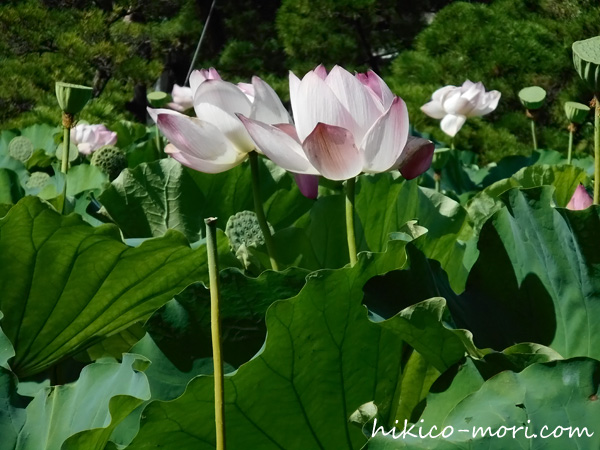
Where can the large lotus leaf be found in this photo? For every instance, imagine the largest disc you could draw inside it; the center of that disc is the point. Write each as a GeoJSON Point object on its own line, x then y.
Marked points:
{"type": "Point", "coordinates": [551, 406]}
{"type": "Point", "coordinates": [245, 300]}
{"type": "Point", "coordinates": [384, 204]}
{"type": "Point", "coordinates": [85, 177]}
{"type": "Point", "coordinates": [322, 359]}
{"type": "Point", "coordinates": [149, 199]}
{"type": "Point", "coordinates": [66, 284]}
{"type": "Point", "coordinates": [536, 279]}
{"type": "Point", "coordinates": [564, 178]}
{"type": "Point", "coordinates": [10, 187]}
{"type": "Point", "coordinates": [82, 415]}
{"type": "Point", "coordinates": [42, 136]}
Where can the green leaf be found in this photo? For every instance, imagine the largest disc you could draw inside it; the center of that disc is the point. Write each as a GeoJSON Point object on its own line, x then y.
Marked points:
{"type": "Point", "coordinates": [323, 358]}
{"type": "Point", "coordinates": [66, 284]}
{"type": "Point", "coordinates": [85, 177]}
{"type": "Point", "coordinates": [82, 415]}
{"type": "Point", "coordinates": [539, 400]}
{"type": "Point", "coordinates": [10, 187]}
{"type": "Point", "coordinates": [536, 277]}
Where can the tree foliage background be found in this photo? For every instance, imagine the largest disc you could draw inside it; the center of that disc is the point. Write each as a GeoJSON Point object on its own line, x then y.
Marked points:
{"type": "Point", "coordinates": [125, 48]}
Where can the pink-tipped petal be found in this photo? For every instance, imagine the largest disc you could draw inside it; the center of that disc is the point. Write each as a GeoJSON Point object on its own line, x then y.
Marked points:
{"type": "Point", "coordinates": [434, 109]}
{"type": "Point", "coordinates": [332, 151]}
{"type": "Point", "coordinates": [321, 71]}
{"type": "Point", "coordinates": [224, 95]}
{"type": "Point", "coordinates": [356, 98]}
{"type": "Point", "coordinates": [247, 89]}
{"type": "Point", "coordinates": [279, 146]}
{"type": "Point", "coordinates": [154, 113]}
{"type": "Point", "coordinates": [229, 125]}
{"type": "Point", "coordinates": [201, 165]}
{"type": "Point", "coordinates": [416, 157]}
{"type": "Point", "coordinates": [378, 86]}
{"type": "Point", "coordinates": [267, 106]}
{"type": "Point", "coordinates": [198, 139]}
{"type": "Point", "coordinates": [308, 185]}
{"type": "Point", "coordinates": [580, 200]}
{"type": "Point", "coordinates": [316, 102]}
{"type": "Point", "coordinates": [387, 137]}
{"type": "Point", "coordinates": [451, 124]}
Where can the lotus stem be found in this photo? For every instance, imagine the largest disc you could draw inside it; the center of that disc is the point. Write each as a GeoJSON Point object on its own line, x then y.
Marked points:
{"type": "Point", "coordinates": [570, 154]}
{"type": "Point", "coordinates": [350, 189]}
{"type": "Point", "coordinates": [215, 322]}
{"type": "Point", "coordinates": [67, 122]}
{"type": "Point", "coordinates": [437, 178]}
{"type": "Point", "coordinates": [533, 134]}
{"type": "Point", "coordinates": [259, 211]}
{"type": "Point", "coordinates": [158, 143]}
{"type": "Point", "coordinates": [596, 152]}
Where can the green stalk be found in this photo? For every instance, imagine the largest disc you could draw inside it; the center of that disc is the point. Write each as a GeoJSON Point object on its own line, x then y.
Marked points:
{"type": "Point", "coordinates": [597, 152]}
{"type": "Point", "coordinates": [570, 154]}
{"type": "Point", "coordinates": [259, 211]}
{"type": "Point", "coordinates": [67, 120]}
{"type": "Point", "coordinates": [533, 134]}
{"type": "Point", "coordinates": [350, 188]}
{"type": "Point", "coordinates": [158, 143]}
{"type": "Point", "coordinates": [215, 326]}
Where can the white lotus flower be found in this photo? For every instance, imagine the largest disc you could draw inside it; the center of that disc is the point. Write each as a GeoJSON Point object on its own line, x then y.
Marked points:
{"type": "Point", "coordinates": [89, 138]}
{"type": "Point", "coordinates": [183, 98]}
{"type": "Point", "coordinates": [453, 104]}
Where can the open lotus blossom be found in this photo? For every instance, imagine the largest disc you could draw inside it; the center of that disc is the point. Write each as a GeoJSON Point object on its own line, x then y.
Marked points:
{"type": "Point", "coordinates": [215, 140]}
{"type": "Point", "coordinates": [89, 138]}
{"type": "Point", "coordinates": [580, 200]}
{"type": "Point", "coordinates": [453, 104]}
{"type": "Point", "coordinates": [344, 125]}
{"type": "Point", "coordinates": [183, 98]}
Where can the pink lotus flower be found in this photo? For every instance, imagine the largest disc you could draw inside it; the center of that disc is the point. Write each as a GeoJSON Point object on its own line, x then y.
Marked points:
{"type": "Point", "coordinates": [89, 138]}
{"type": "Point", "coordinates": [580, 200]}
{"type": "Point", "coordinates": [453, 104]}
{"type": "Point", "coordinates": [344, 125]}
{"type": "Point", "coordinates": [215, 140]}
{"type": "Point", "coordinates": [183, 98]}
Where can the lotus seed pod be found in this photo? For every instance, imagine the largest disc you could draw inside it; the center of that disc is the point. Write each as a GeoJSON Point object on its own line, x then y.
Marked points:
{"type": "Point", "coordinates": [243, 228]}
{"type": "Point", "coordinates": [576, 112]}
{"type": "Point", "coordinates": [20, 148]}
{"type": "Point", "coordinates": [72, 98]}
{"type": "Point", "coordinates": [37, 180]}
{"type": "Point", "coordinates": [440, 158]}
{"type": "Point", "coordinates": [532, 97]}
{"type": "Point", "coordinates": [110, 159]}
{"type": "Point", "coordinates": [158, 99]}
{"type": "Point", "coordinates": [586, 58]}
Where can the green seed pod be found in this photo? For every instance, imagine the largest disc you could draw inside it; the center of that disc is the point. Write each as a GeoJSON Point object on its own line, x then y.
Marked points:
{"type": "Point", "coordinates": [37, 180]}
{"type": "Point", "coordinates": [440, 158]}
{"type": "Point", "coordinates": [532, 97]}
{"type": "Point", "coordinates": [72, 98]}
{"type": "Point", "coordinates": [158, 99]}
{"type": "Point", "coordinates": [20, 148]}
{"type": "Point", "coordinates": [586, 58]}
{"type": "Point", "coordinates": [576, 112]}
{"type": "Point", "coordinates": [243, 228]}
{"type": "Point", "coordinates": [110, 159]}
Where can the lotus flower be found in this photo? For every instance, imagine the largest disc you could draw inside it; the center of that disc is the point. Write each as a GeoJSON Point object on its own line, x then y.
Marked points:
{"type": "Point", "coordinates": [215, 140]}
{"type": "Point", "coordinates": [183, 98]}
{"type": "Point", "coordinates": [89, 138]}
{"type": "Point", "coordinates": [344, 125]}
{"type": "Point", "coordinates": [580, 200]}
{"type": "Point", "coordinates": [453, 104]}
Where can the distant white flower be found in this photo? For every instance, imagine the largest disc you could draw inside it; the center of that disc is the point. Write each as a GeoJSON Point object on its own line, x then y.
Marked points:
{"type": "Point", "coordinates": [183, 98]}
{"type": "Point", "coordinates": [453, 104]}
{"type": "Point", "coordinates": [89, 138]}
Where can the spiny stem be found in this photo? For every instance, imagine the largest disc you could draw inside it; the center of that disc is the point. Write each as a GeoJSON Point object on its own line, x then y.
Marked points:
{"type": "Point", "coordinates": [597, 152]}
{"type": "Point", "coordinates": [570, 154]}
{"type": "Point", "coordinates": [350, 188]}
{"type": "Point", "coordinates": [259, 211]}
{"type": "Point", "coordinates": [215, 321]}
{"type": "Point", "coordinates": [533, 134]}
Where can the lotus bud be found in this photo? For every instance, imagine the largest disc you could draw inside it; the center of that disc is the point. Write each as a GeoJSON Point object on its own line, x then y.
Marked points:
{"type": "Point", "coordinates": [580, 200]}
{"type": "Point", "coordinates": [72, 98]}
{"type": "Point", "coordinates": [586, 58]}
{"type": "Point", "coordinates": [576, 112]}
{"type": "Point", "coordinates": [532, 97]}
{"type": "Point", "coordinates": [158, 99]}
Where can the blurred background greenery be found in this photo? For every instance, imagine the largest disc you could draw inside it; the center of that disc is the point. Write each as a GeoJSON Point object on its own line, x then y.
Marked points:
{"type": "Point", "coordinates": [126, 48]}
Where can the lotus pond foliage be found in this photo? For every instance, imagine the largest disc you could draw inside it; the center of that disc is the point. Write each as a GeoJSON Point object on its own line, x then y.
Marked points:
{"type": "Point", "coordinates": [244, 272]}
